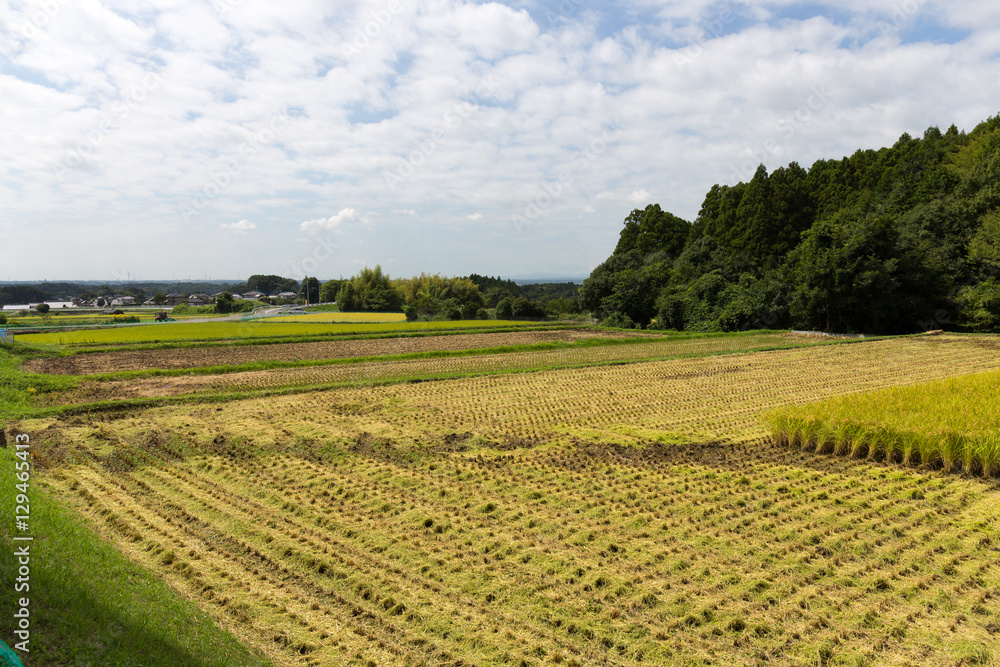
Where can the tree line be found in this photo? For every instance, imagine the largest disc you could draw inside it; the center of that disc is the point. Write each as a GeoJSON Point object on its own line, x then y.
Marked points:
{"type": "Point", "coordinates": [437, 297]}
{"type": "Point", "coordinates": [897, 240]}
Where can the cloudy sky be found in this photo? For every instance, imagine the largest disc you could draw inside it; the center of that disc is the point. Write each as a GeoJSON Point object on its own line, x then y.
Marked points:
{"type": "Point", "coordinates": [175, 139]}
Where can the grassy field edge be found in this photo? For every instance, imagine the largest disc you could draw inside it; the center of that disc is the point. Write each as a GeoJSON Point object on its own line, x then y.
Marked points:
{"type": "Point", "coordinates": [89, 605]}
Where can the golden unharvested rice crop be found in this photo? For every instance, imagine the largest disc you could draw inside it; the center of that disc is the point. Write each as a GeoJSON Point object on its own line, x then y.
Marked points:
{"type": "Point", "coordinates": [954, 423]}
{"type": "Point", "coordinates": [535, 519]}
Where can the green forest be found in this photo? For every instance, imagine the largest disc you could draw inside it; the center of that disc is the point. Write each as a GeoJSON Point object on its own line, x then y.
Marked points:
{"type": "Point", "coordinates": [897, 240]}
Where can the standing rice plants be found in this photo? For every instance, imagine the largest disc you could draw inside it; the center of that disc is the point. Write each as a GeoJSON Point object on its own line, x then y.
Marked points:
{"type": "Point", "coordinates": [910, 448]}
{"type": "Point", "coordinates": [989, 455]}
{"type": "Point", "coordinates": [951, 424]}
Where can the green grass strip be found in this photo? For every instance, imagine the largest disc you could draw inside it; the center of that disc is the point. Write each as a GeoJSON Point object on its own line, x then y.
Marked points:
{"type": "Point", "coordinates": [89, 605]}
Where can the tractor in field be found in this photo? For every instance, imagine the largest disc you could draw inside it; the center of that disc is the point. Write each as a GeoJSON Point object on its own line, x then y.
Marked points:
{"type": "Point", "coordinates": [161, 316]}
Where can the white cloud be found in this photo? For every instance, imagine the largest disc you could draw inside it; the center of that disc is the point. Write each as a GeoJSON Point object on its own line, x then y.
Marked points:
{"type": "Point", "coordinates": [241, 227]}
{"type": "Point", "coordinates": [345, 216]}
{"type": "Point", "coordinates": [639, 197]}
{"type": "Point", "coordinates": [689, 106]}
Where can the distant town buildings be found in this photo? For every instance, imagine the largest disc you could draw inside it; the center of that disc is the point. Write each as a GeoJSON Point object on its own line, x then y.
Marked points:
{"type": "Point", "coordinates": [53, 305]}
{"type": "Point", "coordinates": [172, 299]}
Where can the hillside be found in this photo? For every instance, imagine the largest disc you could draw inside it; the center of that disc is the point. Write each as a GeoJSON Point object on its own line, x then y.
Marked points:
{"type": "Point", "coordinates": [895, 240]}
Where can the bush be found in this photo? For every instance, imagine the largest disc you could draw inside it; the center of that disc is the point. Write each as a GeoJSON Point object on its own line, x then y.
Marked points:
{"type": "Point", "coordinates": [505, 309]}
{"type": "Point", "coordinates": [522, 307]}
{"type": "Point", "coordinates": [184, 309]}
{"type": "Point", "coordinates": [619, 321]}
{"type": "Point", "coordinates": [3, 319]}
{"type": "Point", "coordinates": [225, 303]}
{"type": "Point", "coordinates": [556, 307]}
{"type": "Point", "coordinates": [979, 306]}
{"type": "Point", "coordinates": [470, 310]}
{"type": "Point", "coordinates": [42, 308]}
{"type": "Point", "coordinates": [482, 314]}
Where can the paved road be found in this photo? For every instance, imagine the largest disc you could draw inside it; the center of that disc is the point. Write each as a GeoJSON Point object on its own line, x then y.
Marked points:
{"type": "Point", "coordinates": [263, 312]}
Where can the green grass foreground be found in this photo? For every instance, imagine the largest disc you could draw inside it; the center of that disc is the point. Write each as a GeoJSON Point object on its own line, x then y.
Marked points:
{"type": "Point", "coordinates": [18, 389]}
{"type": "Point", "coordinates": [953, 424]}
{"type": "Point", "coordinates": [89, 605]}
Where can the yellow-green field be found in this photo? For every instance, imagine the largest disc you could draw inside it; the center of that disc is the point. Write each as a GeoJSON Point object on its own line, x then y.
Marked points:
{"type": "Point", "coordinates": [243, 329]}
{"type": "Point", "coordinates": [634, 513]}
{"type": "Point", "coordinates": [345, 317]}
{"type": "Point", "coordinates": [954, 423]}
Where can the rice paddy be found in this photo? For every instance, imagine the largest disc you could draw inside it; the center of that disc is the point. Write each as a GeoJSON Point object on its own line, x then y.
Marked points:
{"type": "Point", "coordinates": [583, 510]}
{"type": "Point", "coordinates": [338, 317]}
{"type": "Point", "coordinates": [953, 423]}
{"type": "Point", "coordinates": [244, 329]}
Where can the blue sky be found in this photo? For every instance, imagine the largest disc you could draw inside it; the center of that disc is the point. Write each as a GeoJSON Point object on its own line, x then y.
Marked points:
{"type": "Point", "coordinates": [169, 139]}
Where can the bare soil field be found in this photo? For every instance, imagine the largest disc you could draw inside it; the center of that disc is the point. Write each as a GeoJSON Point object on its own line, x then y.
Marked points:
{"type": "Point", "coordinates": [105, 362]}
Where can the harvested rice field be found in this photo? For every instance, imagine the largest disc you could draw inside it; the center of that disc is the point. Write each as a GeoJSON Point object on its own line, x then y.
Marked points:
{"type": "Point", "coordinates": [630, 511]}
{"type": "Point", "coordinates": [381, 371]}
{"type": "Point", "coordinates": [219, 355]}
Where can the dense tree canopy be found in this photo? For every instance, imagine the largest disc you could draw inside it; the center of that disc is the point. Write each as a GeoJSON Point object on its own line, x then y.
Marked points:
{"type": "Point", "coordinates": [894, 240]}
{"type": "Point", "coordinates": [272, 284]}
{"type": "Point", "coordinates": [433, 296]}
{"type": "Point", "coordinates": [371, 291]}
{"type": "Point", "coordinates": [310, 290]}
